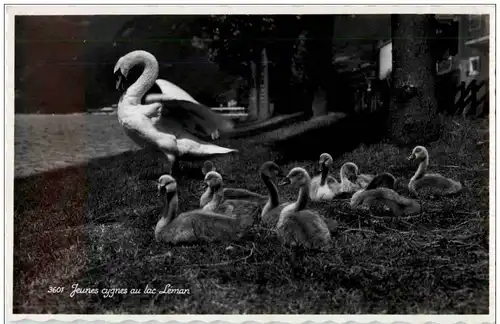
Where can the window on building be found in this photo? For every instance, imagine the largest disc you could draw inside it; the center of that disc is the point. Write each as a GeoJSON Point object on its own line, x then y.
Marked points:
{"type": "Point", "coordinates": [474, 22]}
{"type": "Point", "coordinates": [473, 66]}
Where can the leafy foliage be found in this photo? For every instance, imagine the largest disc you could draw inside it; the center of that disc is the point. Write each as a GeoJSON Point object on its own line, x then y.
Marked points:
{"type": "Point", "coordinates": [236, 40]}
{"type": "Point", "coordinates": [298, 49]}
{"type": "Point", "coordinates": [445, 40]}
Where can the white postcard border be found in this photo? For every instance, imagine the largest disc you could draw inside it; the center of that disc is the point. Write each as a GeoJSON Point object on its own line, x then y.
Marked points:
{"type": "Point", "coordinates": [119, 8]}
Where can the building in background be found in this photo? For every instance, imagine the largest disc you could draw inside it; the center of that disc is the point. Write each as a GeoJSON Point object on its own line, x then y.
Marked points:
{"type": "Point", "coordinates": [474, 43]}
{"type": "Point", "coordinates": [469, 56]}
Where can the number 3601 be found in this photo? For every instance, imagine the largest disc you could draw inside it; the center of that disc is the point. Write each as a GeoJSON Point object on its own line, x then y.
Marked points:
{"type": "Point", "coordinates": [55, 290]}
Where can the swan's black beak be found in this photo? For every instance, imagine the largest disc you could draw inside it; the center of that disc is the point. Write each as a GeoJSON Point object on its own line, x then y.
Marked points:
{"type": "Point", "coordinates": [321, 166]}
{"type": "Point", "coordinates": [119, 81]}
{"type": "Point", "coordinates": [410, 158]}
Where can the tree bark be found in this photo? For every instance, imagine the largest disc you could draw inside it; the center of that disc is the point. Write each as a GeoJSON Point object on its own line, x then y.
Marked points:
{"type": "Point", "coordinates": [413, 113]}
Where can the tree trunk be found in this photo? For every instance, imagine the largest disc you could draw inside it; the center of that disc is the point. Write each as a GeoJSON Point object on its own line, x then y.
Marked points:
{"type": "Point", "coordinates": [413, 115]}
{"type": "Point", "coordinates": [320, 30]}
{"type": "Point", "coordinates": [264, 105]}
{"type": "Point", "coordinates": [280, 74]}
{"type": "Point", "coordinates": [253, 93]}
{"type": "Point", "coordinates": [255, 89]}
{"type": "Point", "coordinates": [281, 53]}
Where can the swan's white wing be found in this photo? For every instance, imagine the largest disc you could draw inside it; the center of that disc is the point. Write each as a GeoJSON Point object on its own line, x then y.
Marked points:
{"type": "Point", "coordinates": [197, 119]}
{"type": "Point", "coordinates": [174, 92]}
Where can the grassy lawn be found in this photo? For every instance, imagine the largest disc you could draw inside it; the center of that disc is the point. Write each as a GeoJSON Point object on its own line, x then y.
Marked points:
{"type": "Point", "coordinates": [93, 226]}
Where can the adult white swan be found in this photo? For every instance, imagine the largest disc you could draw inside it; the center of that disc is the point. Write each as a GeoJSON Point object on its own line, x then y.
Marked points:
{"type": "Point", "coordinates": [171, 123]}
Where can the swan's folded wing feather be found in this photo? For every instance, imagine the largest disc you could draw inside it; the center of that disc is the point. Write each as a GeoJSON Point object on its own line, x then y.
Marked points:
{"type": "Point", "coordinates": [244, 194]}
{"type": "Point", "coordinates": [434, 180]}
{"type": "Point", "coordinates": [209, 226]}
{"type": "Point", "coordinates": [246, 212]}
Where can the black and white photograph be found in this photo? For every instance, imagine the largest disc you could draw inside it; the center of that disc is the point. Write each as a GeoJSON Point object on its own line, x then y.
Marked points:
{"type": "Point", "coordinates": [225, 160]}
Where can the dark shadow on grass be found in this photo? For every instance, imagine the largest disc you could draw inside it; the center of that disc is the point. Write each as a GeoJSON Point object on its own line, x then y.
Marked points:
{"type": "Point", "coordinates": [83, 186]}
{"type": "Point", "coordinates": [336, 139]}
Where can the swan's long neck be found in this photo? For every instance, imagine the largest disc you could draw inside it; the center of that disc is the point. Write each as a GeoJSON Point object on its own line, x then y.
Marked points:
{"type": "Point", "coordinates": [422, 168]}
{"type": "Point", "coordinates": [303, 198]}
{"type": "Point", "coordinates": [324, 174]}
{"type": "Point", "coordinates": [343, 175]}
{"type": "Point", "coordinates": [274, 199]}
{"type": "Point", "coordinates": [218, 196]}
{"type": "Point", "coordinates": [209, 192]}
{"type": "Point", "coordinates": [136, 91]}
{"type": "Point", "coordinates": [170, 207]}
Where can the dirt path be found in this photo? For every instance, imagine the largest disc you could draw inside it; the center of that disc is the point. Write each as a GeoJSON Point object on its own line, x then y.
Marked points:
{"type": "Point", "coordinates": [46, 142]}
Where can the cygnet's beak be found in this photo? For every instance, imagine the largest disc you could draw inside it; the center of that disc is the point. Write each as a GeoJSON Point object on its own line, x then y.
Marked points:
{"type": "Point", "coordinates": [161, 190]}
{"type": "Point", "coordinates": [284, 182]}
{"type": "Point", "coordinates": [352, 177]}
{"type": "Point", "coordinates": [206, 184]}
{"type": "Point", "coordinates": [411, 157]}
